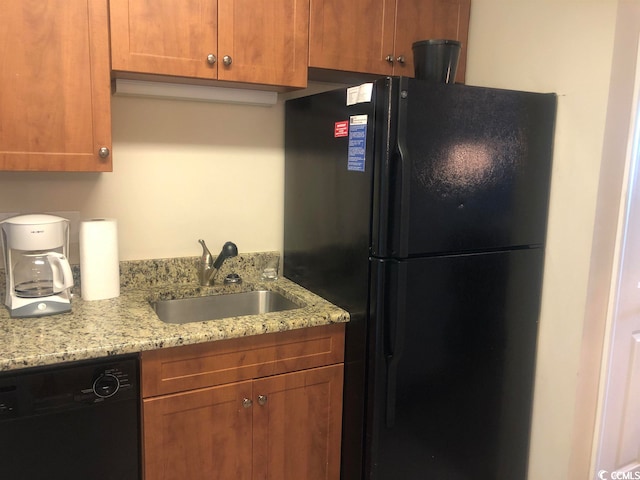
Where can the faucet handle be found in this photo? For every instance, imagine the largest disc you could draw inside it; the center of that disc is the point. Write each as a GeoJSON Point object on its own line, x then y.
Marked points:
{"type": "Point", "coordinates": [229, 250]}
{"type": "Point", "coordinates": [206, 254]}
{"type": "Point", "coordinates": [206, 261]}
{"type": "Point", "coordinates": [209, 268]}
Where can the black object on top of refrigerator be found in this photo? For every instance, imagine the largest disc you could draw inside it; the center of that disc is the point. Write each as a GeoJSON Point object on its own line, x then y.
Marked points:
{"type": "Point", "coordinates": [421, 208]}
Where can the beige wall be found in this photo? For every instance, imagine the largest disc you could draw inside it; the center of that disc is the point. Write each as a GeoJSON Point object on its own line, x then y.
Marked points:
{"type": "Point", "coordinates": [185, 170]}
{"type": "Point", "coordinates": [182, 171]}
{"type": "Point", "coordinates": [565, 47]}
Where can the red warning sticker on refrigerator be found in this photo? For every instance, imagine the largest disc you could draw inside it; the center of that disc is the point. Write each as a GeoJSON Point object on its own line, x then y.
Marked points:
{"type": "Point", "coordinates": [341, 129]}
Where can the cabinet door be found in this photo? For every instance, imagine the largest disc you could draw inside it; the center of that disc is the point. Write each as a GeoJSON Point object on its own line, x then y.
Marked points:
{"type": "Point", "coordinates": [297, 425]}
{"type": "Point", "coordinates": [169, 37]}
{"type": "Point", "coordinates": [200, 434]}
{"type": "Point", "coordinates": [55, 88]}
{"type": "Point", "coordinates": [427, 19]}
{"type": "Point", "coordinates": [263, 41]}
{"type": "Point", "coordinates": [354, 36]}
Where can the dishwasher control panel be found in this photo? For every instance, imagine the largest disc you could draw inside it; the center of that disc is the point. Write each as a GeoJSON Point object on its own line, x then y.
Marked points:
{"type": "Point", "coordinates": [75, 385]}
{"type": "Point", "coordinates": [109, 382]}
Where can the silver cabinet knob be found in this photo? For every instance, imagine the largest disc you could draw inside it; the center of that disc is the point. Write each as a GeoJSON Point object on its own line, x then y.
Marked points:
{"type": "Point", "coordinates": [211, 59]}
{"type": "Point", "coordinates": [246, 402]}
{"type": "Point", "coordinates": [227, 60]}
{"type": "Point", "coordinates": [389, 58]}
{"type": "Point", "coordinates": [103, 152]}
{"type": "Point", "coordinates": [262, 399]}
{"type": "Point", "coordinates": [400, 59]}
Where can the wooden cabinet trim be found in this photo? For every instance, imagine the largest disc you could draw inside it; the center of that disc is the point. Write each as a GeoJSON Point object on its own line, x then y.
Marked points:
{"type": "Point", "coordinates": [214, 363]}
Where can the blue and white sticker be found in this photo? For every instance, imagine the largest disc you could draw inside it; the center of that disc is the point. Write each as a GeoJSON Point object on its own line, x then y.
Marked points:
{"type": "Point", "coordinates": [357, 143]}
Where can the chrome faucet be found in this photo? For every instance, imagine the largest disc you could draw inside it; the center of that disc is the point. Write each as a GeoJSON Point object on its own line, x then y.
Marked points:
{"type": "Point", "coordinates": [208, 267]}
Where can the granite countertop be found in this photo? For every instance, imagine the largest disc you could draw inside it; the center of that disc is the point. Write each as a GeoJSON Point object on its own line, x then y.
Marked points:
{"type": "Point", "coordinates": [128, 324]}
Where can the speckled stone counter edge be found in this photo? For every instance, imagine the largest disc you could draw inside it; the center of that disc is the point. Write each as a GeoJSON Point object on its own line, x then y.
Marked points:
{"type": "Point", "coordinates": [127, 324]}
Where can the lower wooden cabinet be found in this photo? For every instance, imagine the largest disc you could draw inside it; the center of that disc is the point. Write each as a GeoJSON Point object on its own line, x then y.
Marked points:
{"type": "Point", "coordinates": [199, 434]}
{"type": "Point", "coordinates": [297, 425]}
{"type": "Point", "coordinates": [285, 426]}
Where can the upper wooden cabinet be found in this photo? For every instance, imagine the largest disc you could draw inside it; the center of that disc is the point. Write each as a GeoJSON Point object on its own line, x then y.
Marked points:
{"type": "Point", "coordinates": [375, 36]}
{"type": "Point", "coordinates": [249, 41]}
{"type": "Point", "coordinates": [55, 111]}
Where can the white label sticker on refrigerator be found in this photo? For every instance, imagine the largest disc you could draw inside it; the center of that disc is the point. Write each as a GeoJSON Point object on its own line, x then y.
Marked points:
{"type": "Point", "coordinates": [357, 142]}
{"type": "Point", "coordinates": [359, 94]}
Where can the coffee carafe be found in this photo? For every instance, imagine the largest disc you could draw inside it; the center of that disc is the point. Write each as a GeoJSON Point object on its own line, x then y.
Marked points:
{"type": "Point", "coordinates": [38, 275]}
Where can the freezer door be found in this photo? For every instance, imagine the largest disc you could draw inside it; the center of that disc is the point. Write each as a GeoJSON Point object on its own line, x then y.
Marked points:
{"type": "Point", "coordinates": [451, 365]}
{"type": "Point", "coordinates": [468, 170]}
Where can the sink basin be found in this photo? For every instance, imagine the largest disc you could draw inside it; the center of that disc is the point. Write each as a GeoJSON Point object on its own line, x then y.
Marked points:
{"type": "Point", "coordinates": [199, 309]}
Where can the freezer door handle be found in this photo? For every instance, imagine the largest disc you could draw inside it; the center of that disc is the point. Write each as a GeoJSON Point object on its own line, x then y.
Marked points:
{"type": "Point", "coordinates": [391, 196]}
{"type": "Point", "coordinates": [394, 333]}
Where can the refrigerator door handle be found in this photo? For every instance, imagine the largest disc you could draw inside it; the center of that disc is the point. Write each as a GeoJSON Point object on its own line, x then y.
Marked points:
{"type": "Point", "coordinates": [403, 186]}
{"type": "Point", "coordinates": [394, 333]}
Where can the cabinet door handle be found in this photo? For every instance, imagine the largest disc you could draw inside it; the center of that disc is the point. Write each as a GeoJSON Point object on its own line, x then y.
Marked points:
{"type": "Point", "coordinates": [262, 399]}
{"type": "Point", "coordinates": [247, 402]}
{"type": "Point", "coordinates": [211, 59]}
{"type": "Point", "coordinates": [227, 60]}
{"type": "Point", "coordinates": [103, 152]}
{"type": "Point", "coordinates": [401, 59]}
{"type": "Point", "coordinates": [389, 58]}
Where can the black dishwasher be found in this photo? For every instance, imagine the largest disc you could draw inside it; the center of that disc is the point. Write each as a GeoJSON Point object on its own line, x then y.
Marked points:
{"type": "Point", "coordinates": [71, 421]}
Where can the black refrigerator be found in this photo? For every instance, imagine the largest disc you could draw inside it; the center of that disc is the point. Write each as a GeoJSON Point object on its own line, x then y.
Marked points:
{"type": "Point", "coordinates": [421, 209]}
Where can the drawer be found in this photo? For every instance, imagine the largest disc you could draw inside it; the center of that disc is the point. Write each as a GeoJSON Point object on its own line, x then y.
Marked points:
{"type": "Point", "coordinates": [203, 365]}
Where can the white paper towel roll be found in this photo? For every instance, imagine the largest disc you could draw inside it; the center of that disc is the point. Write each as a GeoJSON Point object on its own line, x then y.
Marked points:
{"type": "Point", "coordinates": [99, 262]}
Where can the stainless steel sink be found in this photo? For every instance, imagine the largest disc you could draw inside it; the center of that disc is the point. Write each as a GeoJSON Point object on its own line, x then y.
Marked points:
{"type": "Point", "coordinates": [199, 309]}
